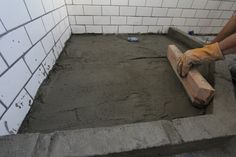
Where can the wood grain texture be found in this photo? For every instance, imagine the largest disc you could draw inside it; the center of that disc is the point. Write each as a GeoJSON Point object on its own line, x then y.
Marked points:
{"type": "Point", "coordinates": [198, 89]}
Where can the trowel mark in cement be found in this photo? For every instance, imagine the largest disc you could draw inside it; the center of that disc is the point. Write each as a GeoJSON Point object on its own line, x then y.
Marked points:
{"type": "Point", "coordinates": [105, 80]}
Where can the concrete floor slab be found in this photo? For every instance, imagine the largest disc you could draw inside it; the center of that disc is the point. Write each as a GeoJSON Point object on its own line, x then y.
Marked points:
{"type": "Point", "coordinates": [104, 80]}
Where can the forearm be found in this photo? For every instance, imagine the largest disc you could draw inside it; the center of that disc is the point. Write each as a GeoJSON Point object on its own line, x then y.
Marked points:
{"type": "Point", "coordinates": [228, 29]}
{"type": "Point", "coordinates": [230, 51]}
{"type": "Point", "coordinates": [228, 45]}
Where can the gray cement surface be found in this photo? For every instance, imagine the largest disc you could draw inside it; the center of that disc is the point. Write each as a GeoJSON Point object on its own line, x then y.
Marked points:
{"type": "Point", "coordinates": [103, 80]}
{"type": "Point", "coordinates": [149, 139]}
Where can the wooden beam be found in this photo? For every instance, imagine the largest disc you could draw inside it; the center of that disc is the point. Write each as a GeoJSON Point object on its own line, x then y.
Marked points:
{"type": "Point", "coordinates": [198, 89]}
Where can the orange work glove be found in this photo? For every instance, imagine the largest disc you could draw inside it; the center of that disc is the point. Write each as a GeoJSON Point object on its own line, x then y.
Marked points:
{"type": "Point", "coordinates": [208, 53]}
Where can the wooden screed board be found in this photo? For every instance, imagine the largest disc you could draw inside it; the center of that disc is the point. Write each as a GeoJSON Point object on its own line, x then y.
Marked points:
{"type": "Point", "coordinates": [198, 89]}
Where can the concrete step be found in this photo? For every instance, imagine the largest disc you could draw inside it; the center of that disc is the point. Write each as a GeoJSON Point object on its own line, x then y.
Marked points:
{"type": "Point", "coordinates": [156, 138]}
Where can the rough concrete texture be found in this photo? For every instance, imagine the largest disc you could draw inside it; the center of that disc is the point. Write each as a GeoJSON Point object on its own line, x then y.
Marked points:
{"type": "Point", "coordinates": [224, 150]}
{"type": "Point", "coordinates": [152, 139]}
{"type": "Point", "coordinates": [188, 40]}
{"type": "Point", "coordinates": [103, 80]}
{"type": "Point", "coordinates": [224, 100]}
{"type": "Point", "coordinates": [18, 145]}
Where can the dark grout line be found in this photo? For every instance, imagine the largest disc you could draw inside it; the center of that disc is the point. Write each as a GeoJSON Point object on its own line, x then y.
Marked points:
{"type": "Point", "coordinates": [4, 61]}
{"type": "Point", "coordinates": [27, 65]}
{"type": "Point", "coordinates": [28, 36]}
{"type": "Point", "coordinates": [3, 24]}
{"type": "Point", "coordinates": [5, 106]}
{"type": "Point", "coordinates": [43, 6]}
{"type": "Point", "coordinates": [27, 9]}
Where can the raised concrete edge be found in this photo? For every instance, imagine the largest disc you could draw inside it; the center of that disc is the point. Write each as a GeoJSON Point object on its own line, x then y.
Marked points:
{"type": "Point", "coordinates": [91, 141]}
{"type": "Point", "coordinates": [183, 37]}
{"type": "Point", "coordinates": [144, 139]}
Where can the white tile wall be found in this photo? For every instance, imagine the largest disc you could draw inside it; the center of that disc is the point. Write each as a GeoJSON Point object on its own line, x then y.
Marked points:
{"type": "Point", "coordinates": [212, 4]}
{"type": "Point", "coordinates": [119, 2]}
{"type": "Point", "coordinates": [35, 56]}
{"type": "Point", "coordinates": [56, 16]}
{"type": "Point", "coordinates": [58, 3]}
{"type": "Point", "coordinates": [110, 29]}
{"type": "Point", "coordinates": [56, 33]}
{"type": "Point", "coordinates": [58, 49]}
{"type": "Point", "coordinates": [2, 109]}
{"type": "Point", "coordinates": [2, 29]}
{"type": "Point", "coordinates": [75, 10]}
{"type": "Point", "coordinates": [3, 65]}
{"type": "Point", "coordinates": [48, 5]}
{"type": "Point", "coordinates": [226, 14]}
{"type": "Point", "coordinates": [144, 11]}
{"type": "Point", "coordinates": [94, 29]}
{"type": "Point", "coordinates": [84, 19]}
{"type": "Point", "coordinates": [101, 2]}
{"type": "Point", "coordinates": [149, 21]}
{"type": "Point", "coordinates": [199, 4]}
{"type": "Point", "coordinates": [101, 19]}
{"type": "Point", "coordinates": [48, 21]}
{"type": "Point", "coordinates": [26, 48]}
{"type": "Point", "coordinates": [202, 13]}
{"type": "Point", "coordinates": [77, 29]}
{"type": "Point", "coordinates": [185, 3]}
{"type": "Point", "coordinates": [188, 13]}
{"type": "Point", "coordinates": [110, 10]}
{"type": "Point", "coordinates": [35, 8]}
{"type": "Point", "coordinates": [10, 19]}
{"type": "Point", "coordinates": [191, 22]}
{"type": "Point", "coordinates": [92, 10]}
{"type": "Point", "coordinates": [14, 44]}
{"type": "Point", "coordinates": [216, 22]}
{"type": "Point", "coordinates": [169, 3]}
{"type": "Point", "coordinates": [159, 12]}
{"type": "Point", "coordinates": [140, 29]}
{"type": "Point", "coordinates": [204, 22]}
{"type": "Point", "coordinates": [214, 14]}
{"type": "Point", "coordinates": [48, 42]}
{"type": "Point", "coordinates": [178, 21]}
{"type": "Point", "coordinates": [72, 20]}
{"type": "Point", "coordinates": [13, 81]}
{"type": "Point", "coordinates": [118, 20]}
{"type": "Point", "coordinates": [164, 21]}
{"type": "Point", "coordinates": [82, 1]}
{"type": "Point", "coordinates": [226, 5]}
{"type": "Point", "coordinates": [155, 29]}
{"type": "Point", "coordinates": [137, 2]}
{"type": "Point", "coordinates": [12, 119]}
{"type": "Point", "coordinates": [35, 81]}
{"type": "Point", "coordinates": [65, 36]}
{"type": "Point", "coordinates": [174, 12]}
{"type": "Point", "coordinates": [134, 20]}
{"type": "Point", "coordinates": [49, 62]}
{"type": "Point", "coordinates": [126, 29]}
{"type": "Point", "coordinates": [36, 30]}
{"type": "Point", "coordinates": [129, 13]}
{"type": "Point", "coordinates": [233, 7]}
{"type": "Point", "coordinates": [154, 3]}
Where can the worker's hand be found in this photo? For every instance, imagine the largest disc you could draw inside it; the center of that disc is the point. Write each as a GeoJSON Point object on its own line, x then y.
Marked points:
{"type": "Point", "coordinates": [191, 57]}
